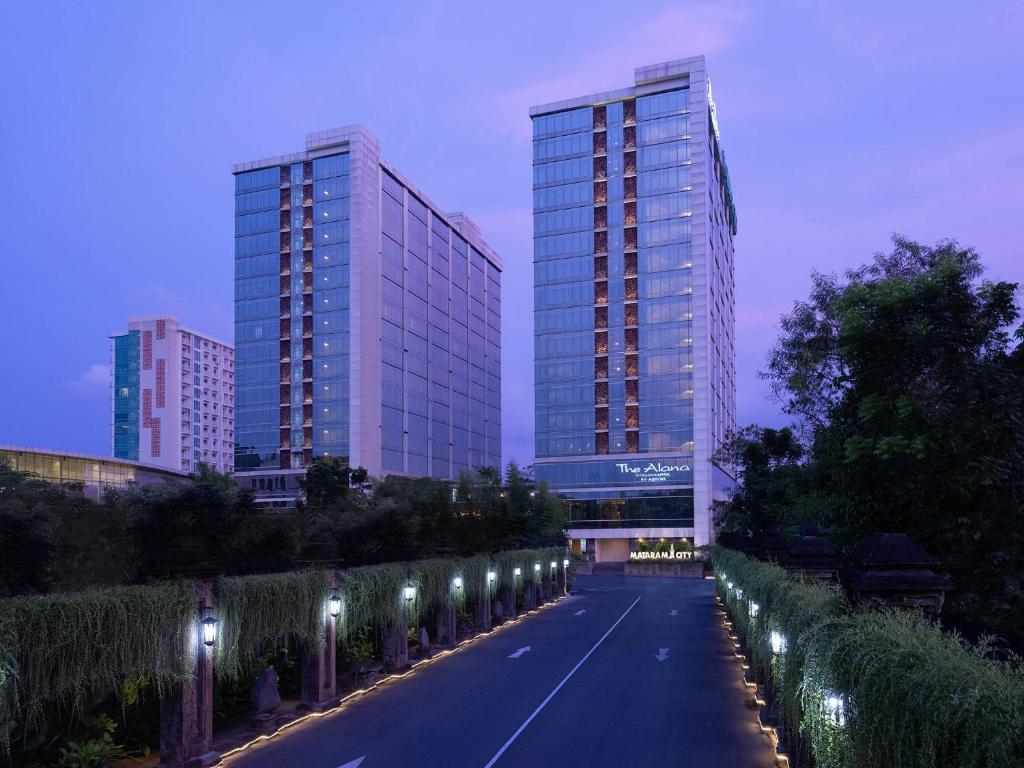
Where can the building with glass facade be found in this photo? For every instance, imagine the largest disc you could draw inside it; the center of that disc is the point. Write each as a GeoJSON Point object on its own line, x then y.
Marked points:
{"type": "Point", "coordinates": [367, 321]}
{"type": "Point", "coordinates": [633, 308]}
{"type": "Point", "coordinates": [173, 396]}
{"type": "Point", "coordinates": [89, 474]}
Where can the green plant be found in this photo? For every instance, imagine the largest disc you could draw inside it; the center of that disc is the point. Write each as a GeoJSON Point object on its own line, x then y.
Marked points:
{"type": "Point", "coordinates": [62, 651]}
{"type": "Point", "coordinates": [868, 687]}
{"type": "Point", "coordinates": [277, 606]}
{"type": "Point", "coordinates": [91, 754]}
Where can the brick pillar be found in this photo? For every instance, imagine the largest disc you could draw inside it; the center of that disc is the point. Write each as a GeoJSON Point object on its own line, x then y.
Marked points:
{"type": "Point", "coordinates": [446, 626]}
{"type": "Point", "coordinates": [186, 712]}
{"type": "Point", "coordinates": [396, 644]}
{"type": "Point", "coordinates": [482, 609]}
{"type": "Point", "coordinates": [508, 600]}
{"type": "Point", "coordinates": [319, 665]}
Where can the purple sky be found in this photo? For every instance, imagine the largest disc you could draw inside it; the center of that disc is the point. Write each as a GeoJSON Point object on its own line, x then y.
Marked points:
{"type": "Point", "coordinates": [120, 120]}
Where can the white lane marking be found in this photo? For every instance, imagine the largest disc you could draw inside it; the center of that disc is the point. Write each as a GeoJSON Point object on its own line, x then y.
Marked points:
{"type": "Point", "coordinates": [353, 763]}
{"type": "Point", "coordinates": [674, 613]}
{"type": "Point", "coordinates": [520, 652]}
{"type": "Point", "coordinates": [662, 654]}
{"type": "Point", "coordinates": [557, 688]}
{"type": "Point", "coordinates": [581, 611]}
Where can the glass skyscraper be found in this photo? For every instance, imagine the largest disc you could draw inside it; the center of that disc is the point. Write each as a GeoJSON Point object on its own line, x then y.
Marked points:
{"type": "Point", "coordinates": [633, 308]}
{"type": "Point", "coordinates": [367, 322]}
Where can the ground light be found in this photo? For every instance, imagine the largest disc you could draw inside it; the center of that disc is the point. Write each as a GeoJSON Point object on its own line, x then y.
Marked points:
{"type": "Point", "coordinates": [778, 641]}
{"type": "Point", "coordinates": [209, 627]}
{"type": "Point", "coordinates": [334, 604]}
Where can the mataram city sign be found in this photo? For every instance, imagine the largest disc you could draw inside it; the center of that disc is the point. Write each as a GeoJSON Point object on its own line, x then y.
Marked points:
{"type": "Point", "coordinates": [672, 554]}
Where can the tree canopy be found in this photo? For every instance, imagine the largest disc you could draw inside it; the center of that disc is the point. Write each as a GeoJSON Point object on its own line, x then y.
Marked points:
{"type": "Point", "coordinates": [906, 377]}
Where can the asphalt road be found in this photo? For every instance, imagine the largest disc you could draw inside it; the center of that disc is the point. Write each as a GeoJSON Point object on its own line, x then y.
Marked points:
{"type": "Point", "coordinates": [612, 678]}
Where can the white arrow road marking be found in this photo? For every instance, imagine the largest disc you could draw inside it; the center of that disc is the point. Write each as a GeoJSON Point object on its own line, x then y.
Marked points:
{"type": "Point", "coordinates": [581, 611]}
{"type": "Point", "coordinates": [520, 652]}
{"type": "Point", "coordinates": [587, 655]}
{"type": "Point", "coordinates": [662, 654]}
{"type": "Point", "coordinates": [674, 613]}
{"type": "Point", "coordinates": [353, 763]}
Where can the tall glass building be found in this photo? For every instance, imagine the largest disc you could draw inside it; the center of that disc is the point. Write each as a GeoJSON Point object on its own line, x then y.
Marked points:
{"type": "Point", "coordinates": [367, 322]}
{"type": "Point", "coordinates": [634, 328]}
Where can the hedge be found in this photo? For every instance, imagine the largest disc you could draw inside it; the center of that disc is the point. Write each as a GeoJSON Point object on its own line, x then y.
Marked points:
{"type": "Point", "coordinates": [66, 651]}
{"type": "Point", "coordinates": [873, 688]}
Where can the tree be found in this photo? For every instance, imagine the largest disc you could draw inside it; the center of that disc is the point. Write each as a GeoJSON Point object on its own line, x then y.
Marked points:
{"type": "Point", "coordinates": [770, 478]}
{"type": "Point", "coordinates": [908, 376]}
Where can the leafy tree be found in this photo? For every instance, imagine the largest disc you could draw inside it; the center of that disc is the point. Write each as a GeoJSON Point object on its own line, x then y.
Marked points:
{"type": "Point", "coordinates": [908, 376]}
{"type": "Point", "coordinates": [771, 479]}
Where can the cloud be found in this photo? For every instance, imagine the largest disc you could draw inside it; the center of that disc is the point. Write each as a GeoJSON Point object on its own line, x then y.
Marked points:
{"type": "Point", "coordinates": [674, 33]}
{"type": "Point", "coordinates": [94, 380]}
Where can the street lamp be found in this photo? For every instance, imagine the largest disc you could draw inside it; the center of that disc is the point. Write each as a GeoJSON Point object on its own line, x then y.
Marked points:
{"type": "Point", "coordinates": [536, 567]}
{"type": "Point", "coordinates": [565, 563]}
{"type": "Point", "coordinates": [334, 604]}
{"type": "Point", "coordinates": [491, 576]}
{"type": "Point", "coordinates": [410, 592]}
{"type": "Point", "coordinates": [457, 582]}
{"type": "Point", "coordinates": [209, 626]}
{"type": "Point", "coordinates": [517, 571]}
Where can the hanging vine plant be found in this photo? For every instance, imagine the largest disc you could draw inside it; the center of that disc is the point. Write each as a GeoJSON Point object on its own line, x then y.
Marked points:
{"type": "Point", "coordinates": [276, 606]}
{"type": "Point", "coordinates": [373, 597]}
{"type": "Point", "coordinates": [64, 650]}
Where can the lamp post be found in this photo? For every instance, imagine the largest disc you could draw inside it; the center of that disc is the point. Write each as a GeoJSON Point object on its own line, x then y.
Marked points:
{"type": "Point", "coordinates": [334, 605]}
{"type": "Point", "coordinates": [457, 582]}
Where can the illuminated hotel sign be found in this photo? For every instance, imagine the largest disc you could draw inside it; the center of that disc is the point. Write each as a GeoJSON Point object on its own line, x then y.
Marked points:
{"type": "Point", "coordinates": [653, 472]}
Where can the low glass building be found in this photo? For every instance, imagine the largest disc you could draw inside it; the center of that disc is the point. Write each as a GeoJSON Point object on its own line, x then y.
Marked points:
{"type": "Point", "coordinates": [634, 328]}
{"type": "Point", "coordinates": [90, 474]}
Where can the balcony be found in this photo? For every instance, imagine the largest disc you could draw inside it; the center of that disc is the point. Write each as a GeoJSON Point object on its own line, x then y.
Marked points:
{"type": "Point", "coordinates": [600, 118]}
{"type": "Point", "coordinates": [600, 192]}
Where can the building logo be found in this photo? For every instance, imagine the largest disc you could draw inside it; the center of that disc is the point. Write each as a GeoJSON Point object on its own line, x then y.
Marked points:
{"type": "Point", "coordinates": [654, 472]}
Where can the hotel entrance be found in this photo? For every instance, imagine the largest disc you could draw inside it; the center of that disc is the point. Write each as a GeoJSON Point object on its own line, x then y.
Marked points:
{"type": "Point", "coordinates": [615, 549]}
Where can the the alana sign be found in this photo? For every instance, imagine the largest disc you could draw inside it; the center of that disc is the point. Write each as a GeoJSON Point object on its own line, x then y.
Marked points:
{"type": "Point", "coordinates": [653, 472]}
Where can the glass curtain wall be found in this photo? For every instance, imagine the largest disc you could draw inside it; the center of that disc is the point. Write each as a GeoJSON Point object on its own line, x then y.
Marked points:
{"type": "Point", "coordinates": [563, 192]}
{"type": "Point", "coordinates": [257, 317]}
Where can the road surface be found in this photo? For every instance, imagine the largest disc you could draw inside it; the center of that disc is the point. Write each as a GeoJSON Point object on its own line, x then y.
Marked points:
{"type": "Point", "coordinates": [625, 672]}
